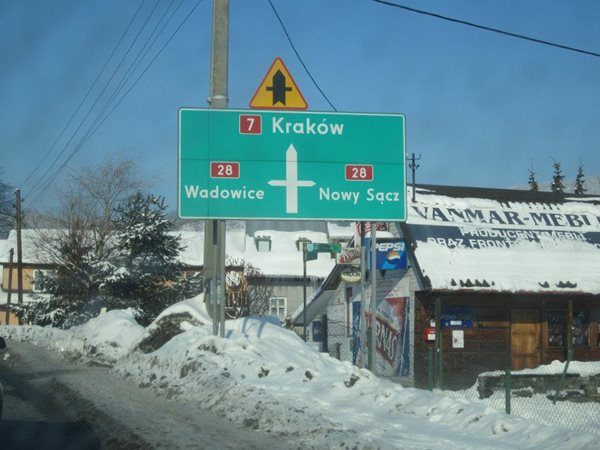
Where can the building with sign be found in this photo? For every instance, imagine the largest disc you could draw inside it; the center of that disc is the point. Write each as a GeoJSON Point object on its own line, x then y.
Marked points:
{"type": "Point", "coordinates": [512, 276]}
{"type": "Point", "coordinates": [36, 262]}
{"type": "Point", "coordinates": [497, 279]}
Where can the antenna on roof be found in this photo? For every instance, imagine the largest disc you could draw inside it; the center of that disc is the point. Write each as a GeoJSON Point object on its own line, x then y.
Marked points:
{"type": "Point", "coordinates": [413, 166]}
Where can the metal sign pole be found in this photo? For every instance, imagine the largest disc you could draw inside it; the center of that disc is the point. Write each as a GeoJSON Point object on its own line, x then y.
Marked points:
{"type": "Point", "coordinates": [221, 277]}
{"type": "Point", "coordinates": [304, 290]}
{"type": "Point", "coordinates": [213, 281]}
{"type": "Point", "coordinates": [373, 308]}
{"type": "Point", "coordinates": [363, 299]}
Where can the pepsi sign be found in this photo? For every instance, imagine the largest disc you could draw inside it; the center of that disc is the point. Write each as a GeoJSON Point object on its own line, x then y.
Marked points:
{"type": "Point", "coordinates": [391, 254]}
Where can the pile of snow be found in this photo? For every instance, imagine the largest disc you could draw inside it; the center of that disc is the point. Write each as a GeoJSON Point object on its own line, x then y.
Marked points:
{"type": "Point", "coordinates": [173, 321]}
{"type": "Point", "coordinates": [267, 378]}
{"type": "Point", "coordinates": [103, 340]}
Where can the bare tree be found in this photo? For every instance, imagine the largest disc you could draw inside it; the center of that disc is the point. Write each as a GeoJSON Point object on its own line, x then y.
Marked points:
{"type": "Point", "coordinates": [247, 289]}
{"type": "Point", "coordinates": [103, 188]}
{"type": "Point", "coordinates": [81, 239]}
{"type": "Point", "coordinates": [86, 209]}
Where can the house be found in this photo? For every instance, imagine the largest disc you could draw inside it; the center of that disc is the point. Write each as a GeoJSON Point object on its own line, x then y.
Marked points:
{"type": "Point", "coordinates": [496, 279]}
{"type": "Point", "coordinates": [276, 248]}
{"type": "Point", "coordinates": [272, 247]}
{"type": "Point", "coordinates": [35, 263]}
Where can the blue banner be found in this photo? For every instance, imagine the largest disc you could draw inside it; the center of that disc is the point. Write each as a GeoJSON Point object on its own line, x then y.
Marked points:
{"type": "Point", "coordinates": [391, 254]}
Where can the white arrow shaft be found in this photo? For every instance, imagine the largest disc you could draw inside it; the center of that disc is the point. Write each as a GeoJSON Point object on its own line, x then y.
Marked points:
{"type": "Point", "coordinates": [291, 181]}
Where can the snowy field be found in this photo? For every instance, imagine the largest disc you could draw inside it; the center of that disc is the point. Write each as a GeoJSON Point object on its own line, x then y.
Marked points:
{"type": "Point", "coordinates": [265, 377]}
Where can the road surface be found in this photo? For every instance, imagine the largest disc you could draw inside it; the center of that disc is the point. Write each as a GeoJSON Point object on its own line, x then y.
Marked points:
{"type": "Point", "coordinates": [90, 407]}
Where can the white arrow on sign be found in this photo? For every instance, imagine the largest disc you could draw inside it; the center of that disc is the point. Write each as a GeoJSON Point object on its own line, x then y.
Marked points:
{"type": "Point", "coordinates": [291, 182]}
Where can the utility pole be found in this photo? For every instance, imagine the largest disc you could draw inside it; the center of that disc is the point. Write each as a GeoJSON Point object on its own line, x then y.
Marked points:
{"type": "Point", "coordinates": [18, 222]}
{"type": "Point", "coordinates": [10, 277]}
{"type": "Point", "coordinates": [414, 166]}
{"type": "Point", "coordinates": [214, 230]}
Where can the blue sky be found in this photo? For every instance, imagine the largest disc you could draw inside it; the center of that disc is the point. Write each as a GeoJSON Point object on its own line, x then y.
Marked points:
{"type": "Point", "coordinates": [480, 107]}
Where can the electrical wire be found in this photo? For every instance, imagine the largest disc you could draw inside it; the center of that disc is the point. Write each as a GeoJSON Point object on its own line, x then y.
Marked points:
{"type": "Point", "coordinates": [93, 126]}
{"type": "Point", "coordinates": [126, 92]}
{"type": "Point", "coordinates": [86, 95]}
{"type": "Point", "coordinates": [134, 65]}
{"type": "Point", "coordinates": [287, 35]}
{"type": "Point", "coordinates": [486, 28]}
{"type": "Point", "coordinates": [42, 185]}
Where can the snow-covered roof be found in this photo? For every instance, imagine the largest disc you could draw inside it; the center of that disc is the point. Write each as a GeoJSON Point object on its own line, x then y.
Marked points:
{"type": "Point", "coordinates": [284, 258]}
{"type": "Point", "coordinates": [341, 230]}
{"type": "Point", "coordinates": [505, 240]}
{"type": "Point", "coordinates": [32, 252]}
{"type": "Point", "coordinates": [193, 247]}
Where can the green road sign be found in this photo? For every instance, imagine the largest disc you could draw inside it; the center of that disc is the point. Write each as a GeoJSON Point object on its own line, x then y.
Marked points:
{"type": "Point", "coordinates": [323, 248]}
{"type": "Point", "coordinates": [247, 164]}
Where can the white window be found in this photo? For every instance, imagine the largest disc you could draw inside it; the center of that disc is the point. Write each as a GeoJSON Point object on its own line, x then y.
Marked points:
{"type": "Point", "coordinates": [37, 278]}
{"type": "Point", "coordinates": [278, 307]}
{"type": "Point", "coordinates": [263, 244]}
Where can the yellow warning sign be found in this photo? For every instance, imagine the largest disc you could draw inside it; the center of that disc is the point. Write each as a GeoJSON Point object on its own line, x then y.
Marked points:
{"type": "Point", "coordinates": [278, 90]}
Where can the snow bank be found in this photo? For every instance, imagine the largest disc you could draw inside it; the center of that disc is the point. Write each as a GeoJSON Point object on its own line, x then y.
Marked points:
{"type": "Point", "coordinates": [266, 377]}
{"type": "Point", "coordinates": [108, 337]}
{"type": "Point", "coordinates": [103, 339]}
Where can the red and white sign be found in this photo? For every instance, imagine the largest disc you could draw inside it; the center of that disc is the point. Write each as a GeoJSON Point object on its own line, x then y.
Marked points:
{"type": "Point", "coordinates": [349, 256]}
{"type": "Point", "coordinates": [429, 334]}
{"type": "Point", "coordinates": [224, 169]}
{"type": "Point", "coordinates": [379, 226]}
{"type": "Point", "coordinates": [250, 124]}
{"type": "Point", "coordinates": [359, 172]}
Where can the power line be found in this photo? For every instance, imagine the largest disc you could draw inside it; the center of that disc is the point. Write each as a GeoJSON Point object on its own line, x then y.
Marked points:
{"type": "Point", "coordinates": [86, 95]}
{"type": "Point", "coordinates": [148, 45]}
{"type": "Point", "coordinates": [486, 28]}
{"type": "Point", "coordinates": [42, 185]}
{"type": "Point", "coordinates": [287, 35]}
{"type": "Point", "coordinates": [82, 143]}
{"type": "Point", "coordinates": [132, 68]}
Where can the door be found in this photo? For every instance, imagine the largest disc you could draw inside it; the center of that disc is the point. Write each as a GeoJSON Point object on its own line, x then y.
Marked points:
{"type": "Point", "coordinates": [525, 334]}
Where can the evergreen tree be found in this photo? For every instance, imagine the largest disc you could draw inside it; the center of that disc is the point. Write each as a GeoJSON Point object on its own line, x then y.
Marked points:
{"type": "Point", "coordinates": [533, 185]}
{"type": "Point", "coordinates": [80, 243]}
{"type": "Point", "coordinates": [580, 181]}
{"type": "Point", "coordinates": [146, 275]}
{"type": "Point", "coordinates": [557, 178]}
{"type": "Point", "coordinates": [74, 289]}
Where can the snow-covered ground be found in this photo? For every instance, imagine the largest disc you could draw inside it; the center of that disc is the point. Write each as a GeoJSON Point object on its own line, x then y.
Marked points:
{"type": "Point", "coordinates": [266, 377]}
{"type": "Point", "coordinates": [547, 408]}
